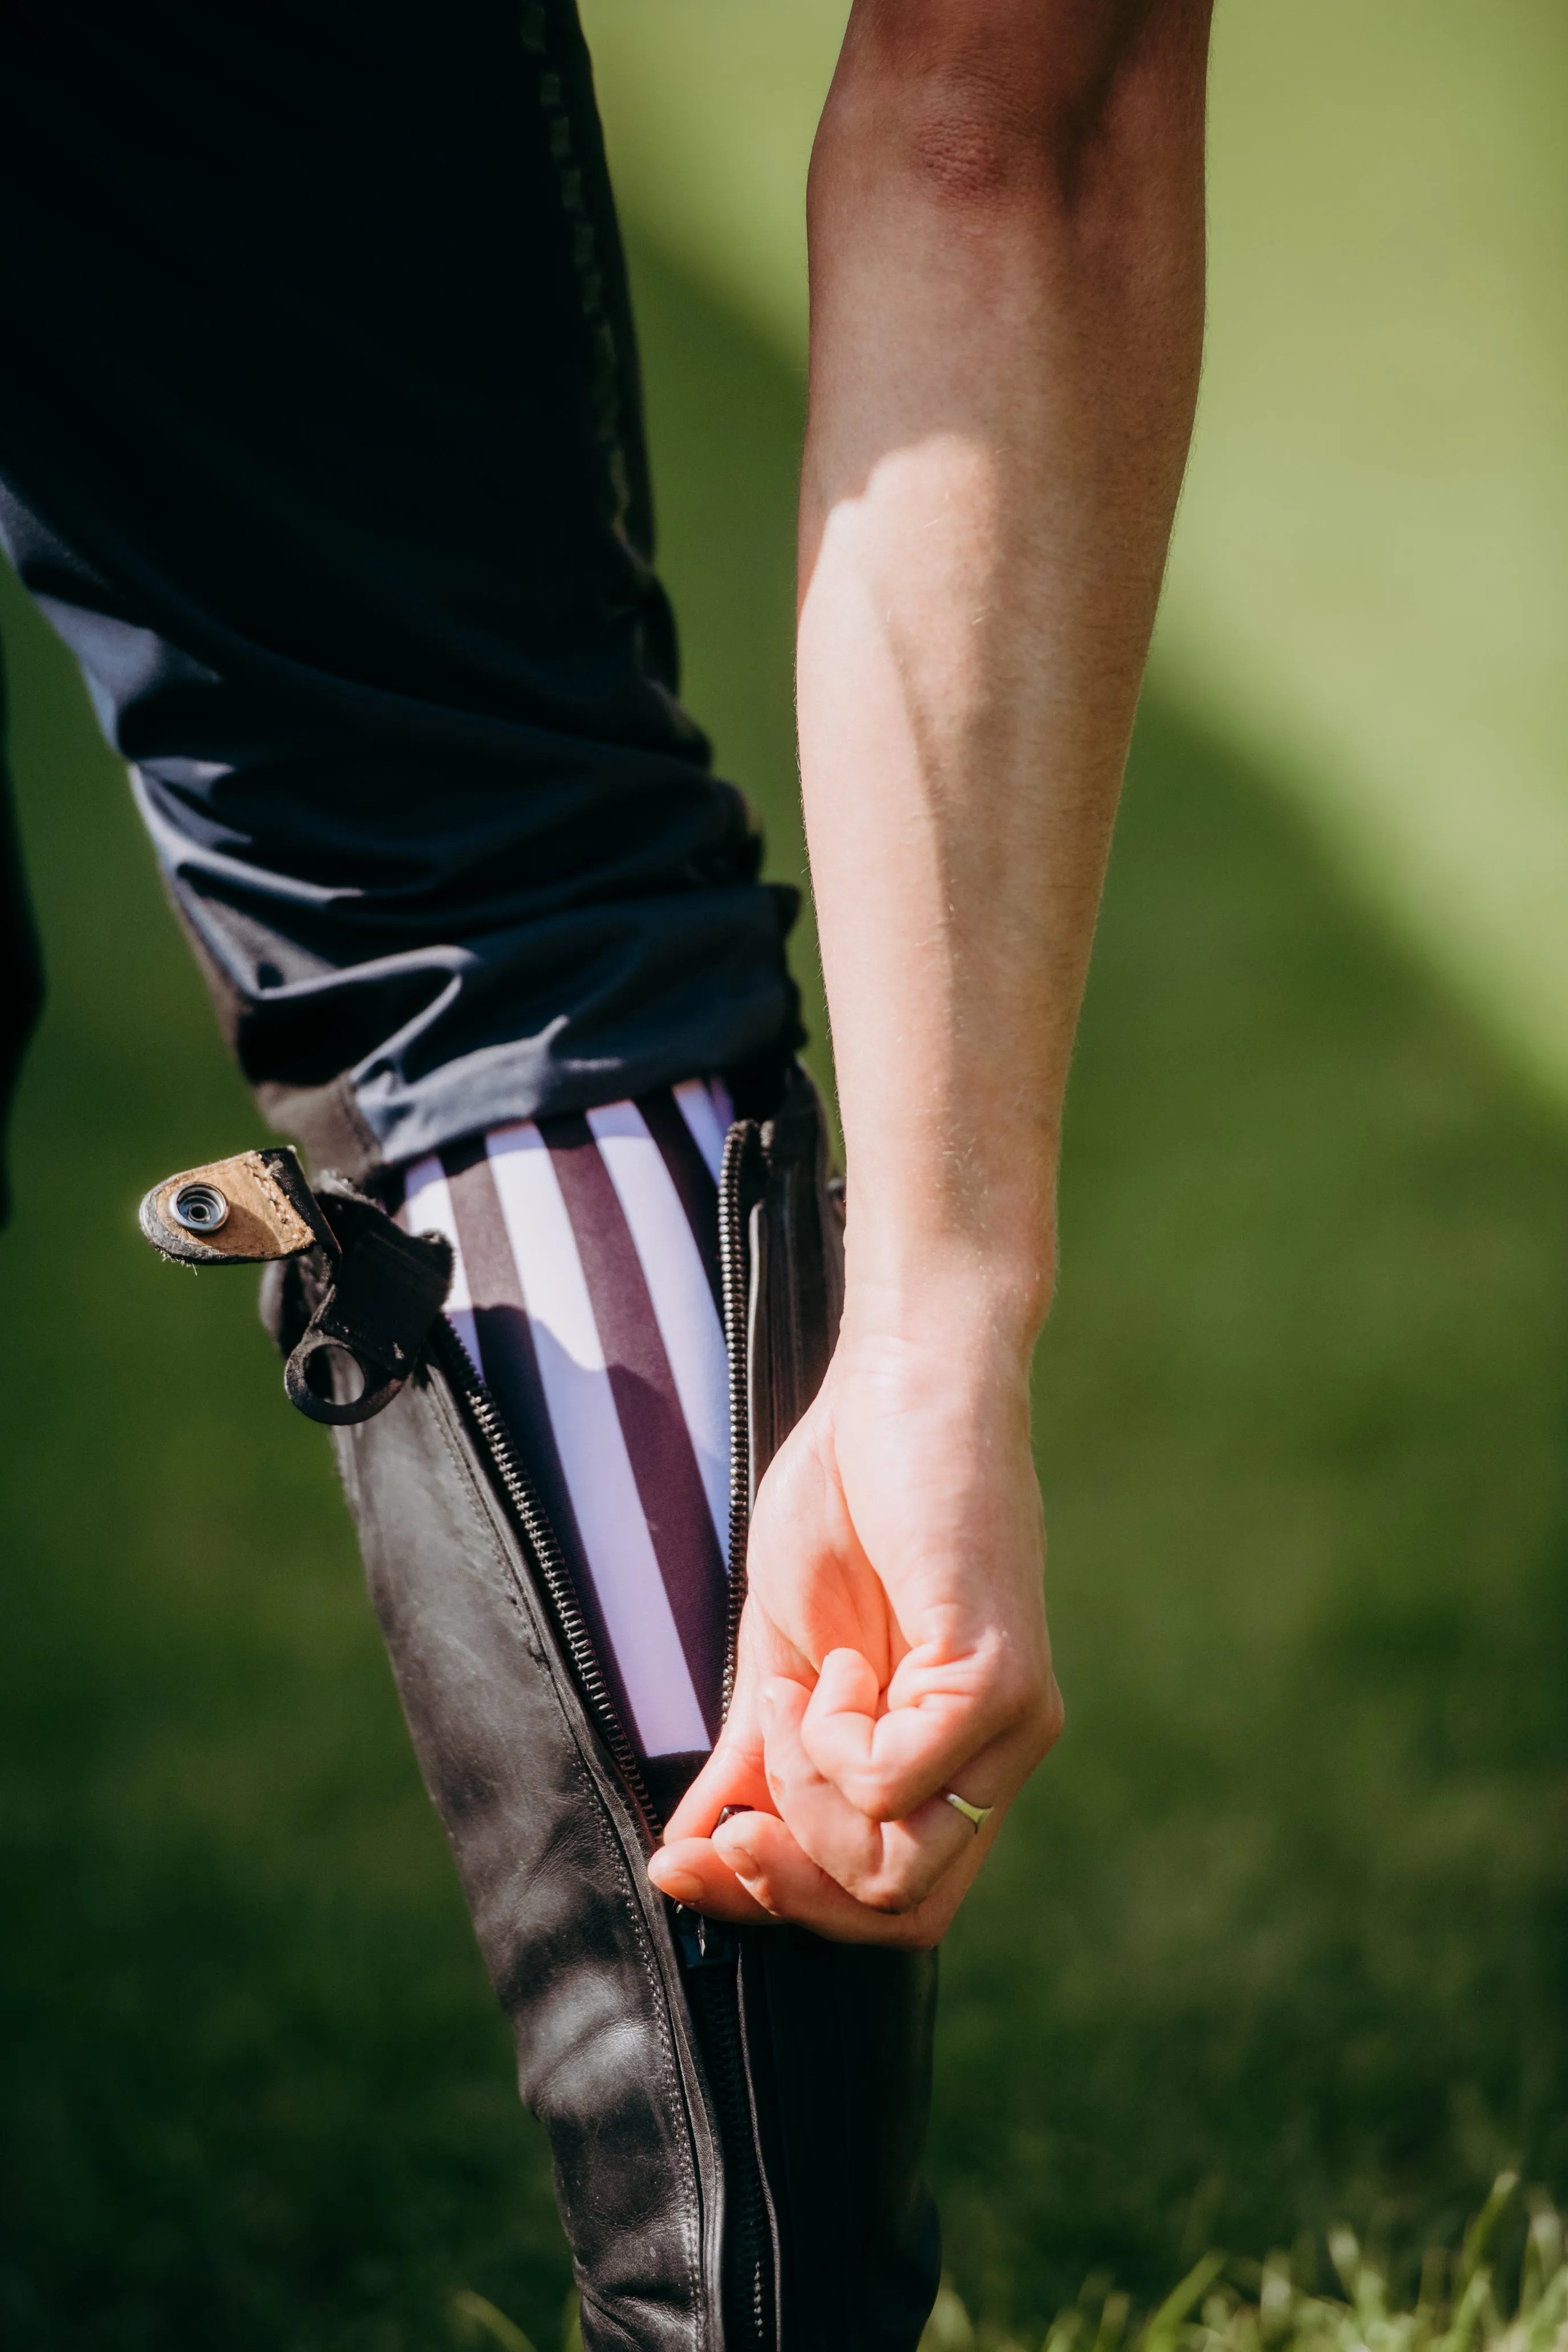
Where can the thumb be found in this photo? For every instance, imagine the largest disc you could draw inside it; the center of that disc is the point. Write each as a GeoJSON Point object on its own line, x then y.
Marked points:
{"type": "Point", "coordinates": [734, 1774]}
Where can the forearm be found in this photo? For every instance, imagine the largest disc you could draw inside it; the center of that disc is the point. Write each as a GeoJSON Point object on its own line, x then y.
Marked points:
{"type": "Point", "coordinates": [1006, 259]}
{"type": "Point", "coordinates": [1007, 254]}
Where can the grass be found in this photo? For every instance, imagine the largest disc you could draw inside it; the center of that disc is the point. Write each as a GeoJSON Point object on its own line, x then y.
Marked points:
{"type": "Point", "coordinates": [1368, 585]}
{"type": "Point", "coordinates": [1280, 1938]}
{"type": "Point", "coordinates": [1463, 2303]}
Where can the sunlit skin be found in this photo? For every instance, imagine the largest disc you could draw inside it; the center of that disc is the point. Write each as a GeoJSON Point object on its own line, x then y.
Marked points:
{"type": "Point", "coordinates": [1006, 228]}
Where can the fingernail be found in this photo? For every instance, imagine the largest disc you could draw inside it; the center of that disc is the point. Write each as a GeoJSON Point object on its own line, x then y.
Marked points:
{"type": "Point", "coordinates": [681, 1885]}
{"type": "Point", "coordinates": [743, 1863]}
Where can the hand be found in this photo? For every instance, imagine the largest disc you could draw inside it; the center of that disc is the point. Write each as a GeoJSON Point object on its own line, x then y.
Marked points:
{"type": "Point", "coordinates": [893, 1645]}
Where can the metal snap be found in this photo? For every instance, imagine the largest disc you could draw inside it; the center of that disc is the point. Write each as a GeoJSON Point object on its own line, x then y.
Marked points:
{"type": "Point", "coordinates": [200, 1208]}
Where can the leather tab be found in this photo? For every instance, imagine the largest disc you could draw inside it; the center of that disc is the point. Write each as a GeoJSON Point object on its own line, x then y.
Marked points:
{"type": "Point", "coordinates": [359, 1295]}
{"type": "Point", "coordinates": [239, 1212]}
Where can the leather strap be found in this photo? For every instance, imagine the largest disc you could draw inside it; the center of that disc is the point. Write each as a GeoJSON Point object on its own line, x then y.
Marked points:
{"type": "Point", "coordinates": [239, 1212]}
{"type": "Point", "coordinates": [368, 1292]}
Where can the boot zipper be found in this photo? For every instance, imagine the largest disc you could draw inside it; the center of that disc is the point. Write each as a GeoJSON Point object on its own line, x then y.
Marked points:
{"type": "Point", "coordinates": [714, 1969]}
{"type": "Point", "coordinates": [540, 1537]}
{"type": "Point", "coordinates": [713, 1989]}
{"type": "Point", "coordinates": [743, 1141]}
{"type": "Point", "coordinates": [711, 1952]}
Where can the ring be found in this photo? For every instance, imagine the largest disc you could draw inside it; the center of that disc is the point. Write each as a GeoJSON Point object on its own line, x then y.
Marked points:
{"type": "Point", "coordinates": [976, 1815]}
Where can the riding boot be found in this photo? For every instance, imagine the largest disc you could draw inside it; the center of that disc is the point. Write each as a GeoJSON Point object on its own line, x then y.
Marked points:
{"type": "Point", "coordinates": [736, 2117]}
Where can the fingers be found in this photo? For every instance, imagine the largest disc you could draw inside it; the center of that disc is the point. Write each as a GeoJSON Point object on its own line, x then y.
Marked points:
{"type": "Point", "coordinates": [754, 1874]}
{"type": "Point", "coordinates": [768, 1863]}
{"type": "Point", "coordinates": [891, 1865]}
{"type": "Point", "coordinates": [692, 1871]}
{"type": "Point", "coordinates": [889, 1761]}
{"type": "Point", "coordinates": [770, 1762]}
{"type": "Point", "coordinates": [733, 1775]}
{"type": "Point", "coordinates": [938, 1720]}
{"type": "Point", "coordinates": [824, 1864]}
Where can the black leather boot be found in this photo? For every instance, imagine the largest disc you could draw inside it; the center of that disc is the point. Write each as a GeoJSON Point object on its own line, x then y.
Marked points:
{"type": "Point", "coordinates": [736, 2116]}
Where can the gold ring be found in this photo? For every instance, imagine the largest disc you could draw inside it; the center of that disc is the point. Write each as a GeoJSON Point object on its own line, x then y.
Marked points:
{"type": "Point", "coordinates": [976, 1815]}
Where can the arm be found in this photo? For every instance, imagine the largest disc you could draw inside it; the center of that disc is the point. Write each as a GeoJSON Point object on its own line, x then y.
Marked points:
{"type": "Point", "coordinates": [1006, 217]}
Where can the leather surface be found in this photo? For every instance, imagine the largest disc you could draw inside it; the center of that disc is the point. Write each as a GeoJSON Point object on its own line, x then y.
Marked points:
{"type": "Point", "coordinates": [550, 1858]}
{"type": "Point", "coordinates": [795, 1232]}
{"type": "Point", "coordinates": [838, 2037]}
{"type": "Point", "coordinates": [357, 1294]}
{"type": "Point", "coordinates": [271, 1212]}
{"type": "Point", "coordinates": [840, 2040]}
{"type": "Point", "coordinates": [551, 1850]}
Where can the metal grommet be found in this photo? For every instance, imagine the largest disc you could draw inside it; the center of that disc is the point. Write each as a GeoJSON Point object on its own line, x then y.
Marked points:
{"type": "Point", "coordinates": [200, 1208]}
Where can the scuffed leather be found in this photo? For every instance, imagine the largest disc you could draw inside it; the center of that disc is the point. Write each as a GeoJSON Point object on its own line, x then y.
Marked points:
{"type": "Point", "coordinates": [552, 1848]}
{"type": "Point", "coordinates": [551, 1859]}
{"type": "Point", "coordinates": [272, 1213]}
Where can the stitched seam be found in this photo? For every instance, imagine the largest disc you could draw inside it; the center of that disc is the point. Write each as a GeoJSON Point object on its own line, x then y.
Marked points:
{"type": "Point", "coordinates": [293, 1224]}
{"type": "Point", "coordinates": [645, 1956]}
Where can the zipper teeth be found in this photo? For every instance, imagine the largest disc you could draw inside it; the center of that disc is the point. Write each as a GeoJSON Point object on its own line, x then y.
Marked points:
{"type": "Point", "coordinates": [752, 2240]}
{"type": "Point", "coordinates": [748, 2218]}
{"type": "Point", "coordinates": [738, 1144]}
{"type": "Point", "coordinates": [535, 1521]}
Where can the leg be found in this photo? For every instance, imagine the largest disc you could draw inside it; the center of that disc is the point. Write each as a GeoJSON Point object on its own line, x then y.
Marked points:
{"type": "Point", "coordinates": [323, 453]}
{"type": "Point", "coordinates": [319, 443]}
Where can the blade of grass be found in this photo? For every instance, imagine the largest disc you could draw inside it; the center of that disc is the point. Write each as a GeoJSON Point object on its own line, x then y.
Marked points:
{"type": "Point", "coordinates": [479, 2313]}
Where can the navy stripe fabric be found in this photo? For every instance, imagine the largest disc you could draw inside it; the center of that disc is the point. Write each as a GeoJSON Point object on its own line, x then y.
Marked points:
{"type": "Point", "coordinates": [663, 1460]}
{"type": "Point", "coordinates": [585, 1285]}
{"type": "Point", "coordinates": [506, 1353]}
{"type": "Point", "coordinates": [689, 1175]}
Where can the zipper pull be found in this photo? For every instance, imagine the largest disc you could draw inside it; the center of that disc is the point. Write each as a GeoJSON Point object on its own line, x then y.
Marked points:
{"type": "Point", "coordinates": [704, 1943]}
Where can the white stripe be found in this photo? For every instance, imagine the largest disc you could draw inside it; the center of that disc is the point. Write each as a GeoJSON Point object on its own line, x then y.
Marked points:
{"type": "Point", "coordinates": [678, 1285]}
{"type": "Point", "coordinates": [697, 1108]}
{"type": "Point", "coordinates": [427, 1209]}
{"type": "Point", "coordinates": [591, 1448]}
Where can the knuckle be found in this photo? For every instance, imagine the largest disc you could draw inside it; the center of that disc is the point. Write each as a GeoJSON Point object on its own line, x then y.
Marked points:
{"type": "Point", "coordinates": [880, 1792]}
{"type": "Point", "coordinates": [1028, 1702]}
{"type": "Point", "coordinates": [1017, 1689]}
{"type": "Point", "coordinates": [897, 1892]}
{"type": "Point", "coordinates": [1048, 1720]}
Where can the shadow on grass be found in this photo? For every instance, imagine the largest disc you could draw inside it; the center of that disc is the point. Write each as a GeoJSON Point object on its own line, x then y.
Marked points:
{"type": "Point", "coordinates": [1277, 1936]}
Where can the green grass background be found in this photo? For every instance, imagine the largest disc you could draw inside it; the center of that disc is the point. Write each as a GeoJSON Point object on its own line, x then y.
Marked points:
{"type": "Point", "coordinates": [1369, 582]}
{"type": "Point", "coordinates": [1281, 1933]}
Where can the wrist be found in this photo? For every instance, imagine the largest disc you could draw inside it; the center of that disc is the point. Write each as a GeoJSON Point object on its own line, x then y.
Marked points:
{"type": "Point", "coordinates": [951, 1231]}
{"type": "Point", "coordinates": [980, 1309]}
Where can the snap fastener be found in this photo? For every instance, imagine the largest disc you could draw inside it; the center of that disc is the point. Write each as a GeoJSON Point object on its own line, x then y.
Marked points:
{"type": "Point", "coordinates": [200, 1208]}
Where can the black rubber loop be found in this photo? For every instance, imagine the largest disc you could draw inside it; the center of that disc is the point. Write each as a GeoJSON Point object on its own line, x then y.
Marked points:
{"type": "Point", "coordinates": [380, 1386]}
